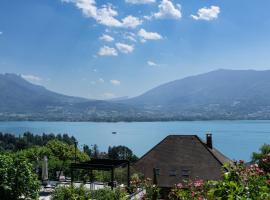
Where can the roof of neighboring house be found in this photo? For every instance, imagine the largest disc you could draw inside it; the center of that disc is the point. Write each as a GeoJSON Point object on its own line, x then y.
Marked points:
{"type": "Point", "coordinates": [217, 154]}
{"type": "Point", "coordinates": [180, 151]}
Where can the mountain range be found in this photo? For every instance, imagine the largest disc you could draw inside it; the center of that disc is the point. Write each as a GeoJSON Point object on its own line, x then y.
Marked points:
{"type": "Point", "coordinates": [220, 94]}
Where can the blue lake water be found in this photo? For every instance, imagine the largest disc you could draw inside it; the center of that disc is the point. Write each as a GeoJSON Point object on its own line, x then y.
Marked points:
{"type": "Point", "coordinates": [236, 139]}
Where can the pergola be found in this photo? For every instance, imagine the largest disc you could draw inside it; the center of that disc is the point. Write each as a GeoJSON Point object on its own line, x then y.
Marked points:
{"type": "Point", "coordinates": [104, 165]}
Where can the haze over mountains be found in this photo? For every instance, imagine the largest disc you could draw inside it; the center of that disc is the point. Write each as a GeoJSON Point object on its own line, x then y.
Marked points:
{"type": "Point", "coordinates": [221, 94]}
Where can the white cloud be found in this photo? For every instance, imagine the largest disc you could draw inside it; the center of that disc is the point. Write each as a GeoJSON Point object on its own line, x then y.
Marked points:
{"type": "Point", "coordinates": [105, 15]}
{"type": "Point", "coordinates": [168, 10]}
{"type": "Point", "coordinates": [108, 95]}
{"type": "Point", "coordinates": [130, 36]}
{"type": "Point", "coordinates": [140, 1]}
{"type": "Point", "coordinates": [107, 51]}
{"type": "Point", "coordinates": [106, 38]}
{"type": "Point", "coordinates": [93, 82]}
{"type": "Point", "coordinates": [148, 35]}
{"type": "Point", "coordinates": [115, 82]}
{"type": "Point", "coordinates": [124, 48]}
{"type": "Point", "coordinates": [151, 63]}
{"type": "Point", "coordinates": [131, 22]}
{"type": "Point", "coordinates": [207, 13]}
{"type": "Point", "coordinates": [31, 78]}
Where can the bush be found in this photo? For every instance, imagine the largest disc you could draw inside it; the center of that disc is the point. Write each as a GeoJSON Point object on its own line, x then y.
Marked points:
{"type": "Point", "coordinates": [81, 193]}
{"type": "Point", "coordinates": [17, 180]}
{"type": "Point", "coordinates": [108, 194]}
{"type": "Point", "coordinates": [71, 193]}
{"type": "Point", "coordinates": [240, 182]}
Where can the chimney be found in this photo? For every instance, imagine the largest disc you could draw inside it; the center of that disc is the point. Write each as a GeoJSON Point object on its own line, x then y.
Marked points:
{"type": "Point", "coordinates": [209, 142]}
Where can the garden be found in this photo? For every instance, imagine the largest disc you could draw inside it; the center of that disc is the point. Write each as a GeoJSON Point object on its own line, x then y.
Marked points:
{"type": "Point", "coordinates": [20, 177]}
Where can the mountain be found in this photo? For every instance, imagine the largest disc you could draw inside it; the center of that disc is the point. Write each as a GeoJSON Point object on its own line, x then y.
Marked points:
{"type": "Point", "coordinates": [21, 100]}
{"type": "Point", "coordinates": [18, 95]}
{"type": "Point", "coordinates": [221, 94]}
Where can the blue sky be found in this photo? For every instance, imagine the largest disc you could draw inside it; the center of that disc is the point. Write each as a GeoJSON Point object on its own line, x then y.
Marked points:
{"type": "Point", "coordinates": [103, 49]}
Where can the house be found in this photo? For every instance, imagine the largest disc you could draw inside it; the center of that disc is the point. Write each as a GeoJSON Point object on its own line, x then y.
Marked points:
{"type": "Point", "coordinates": [181, 157]}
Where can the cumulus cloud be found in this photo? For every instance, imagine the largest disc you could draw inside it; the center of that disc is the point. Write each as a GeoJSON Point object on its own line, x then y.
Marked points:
{"type": "Point", "coordinates": [107, 51]}
{"type": "Point", "coordinates": [207, 13]}
{"type": "Point", "coordinates": [115, 82]}
{"type": "Point", "coordinates": [131, 22]}
{"type": "Point", "coordinates": [151, 63]}
{"type": "Point", "coordinates": [105, 15]}
{"type": "Point", "coordinates": [106, 38]}
{"type": "Point", "coordinates": [124, 48]}
{"type": "Point", "coordinates": [148, 35]}
{"type": "Point", "coordinates": [31, 78]}
{"type": "Point", "coordinates": [140, 1]}
{"type": "Point", "coordinates": [168, 10]}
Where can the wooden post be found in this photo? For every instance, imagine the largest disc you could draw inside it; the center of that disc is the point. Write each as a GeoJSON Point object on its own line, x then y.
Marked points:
{"type": "Point", "coordinates": [72, 177]}
{"type": "Point", "coordinates": [112, 178]}
{"type": "Point", "coordinates": [128, 175]}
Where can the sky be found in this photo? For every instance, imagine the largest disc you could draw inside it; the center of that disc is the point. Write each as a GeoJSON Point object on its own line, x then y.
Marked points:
{"type": "Point", "coordinates": [106, 49]}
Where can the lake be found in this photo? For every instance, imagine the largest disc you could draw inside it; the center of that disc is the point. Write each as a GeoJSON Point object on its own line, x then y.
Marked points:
{"type": "Point", "coordinates": [236, 139]}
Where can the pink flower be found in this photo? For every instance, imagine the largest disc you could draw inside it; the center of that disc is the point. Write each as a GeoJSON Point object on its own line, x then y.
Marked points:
{"type": "Point", "coordinates": [179, 185]}
{"type": "Point", "coordinates": [198, 183]}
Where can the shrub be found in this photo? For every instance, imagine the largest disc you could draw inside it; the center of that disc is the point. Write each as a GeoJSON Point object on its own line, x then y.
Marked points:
{"type": "Point", "coordinates": [108, 194]}
{"type": "Point", "coordinates": [81, 193]}
{"type": "Point", "coordinates": [240, 182]}
{"type": "Point", "coordinates": [71, 193]}
{"type": "Point", "coordinates": [17, 180]}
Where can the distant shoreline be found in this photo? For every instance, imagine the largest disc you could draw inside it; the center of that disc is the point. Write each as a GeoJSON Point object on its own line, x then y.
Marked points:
{"type": "Point", "coordinates": [136, 121]}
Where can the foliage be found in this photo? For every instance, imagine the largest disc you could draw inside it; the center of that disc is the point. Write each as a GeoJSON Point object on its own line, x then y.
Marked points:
{"type": "Point", "coordinates": [10, 142]}
{"type": "Point", "coordinates": [108, 194]}
{"type": "Point", "coordinates": [263, 157]}
{"type": "Point", "coordinates": [239, 182]}
{"type": "Point", "coordinates": [71, 193]}
{"type": "Point", "coordinates": [121, 153]}
{"type": "Point", "coordinates": [17, 180]}
{"type": "Point", "coordinates": [152, 191]}
{"type": "Point", "coordinates": [81, 193]}
{"type": "Point", "coordinates": [190, 190]}
{"type": "Point", "coordinates": [59, 154]}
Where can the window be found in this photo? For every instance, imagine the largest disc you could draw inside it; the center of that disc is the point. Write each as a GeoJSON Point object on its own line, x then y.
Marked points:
{"type": "Point", "coordinates": [172, 172]}
{"type": "Point", "coordinates": [157, 171]}
{"type": "Point", "coordinates": [185, 173]}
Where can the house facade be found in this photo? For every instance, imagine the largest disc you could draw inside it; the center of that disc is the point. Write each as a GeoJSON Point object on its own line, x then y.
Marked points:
{"type": "Point", "coordinates": [181, 157]}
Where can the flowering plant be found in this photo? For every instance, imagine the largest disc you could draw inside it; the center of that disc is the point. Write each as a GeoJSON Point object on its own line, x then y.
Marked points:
{"type": "Point", "coordinates": [190, 190]}
{"type": "Point", "coordinates": [239, 182]}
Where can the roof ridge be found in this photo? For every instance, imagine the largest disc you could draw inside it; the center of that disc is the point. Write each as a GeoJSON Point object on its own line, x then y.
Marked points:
{"type": "Point", "coordinates": [207, 148]}
{"type": "Point", "coordinates": [175, 135]}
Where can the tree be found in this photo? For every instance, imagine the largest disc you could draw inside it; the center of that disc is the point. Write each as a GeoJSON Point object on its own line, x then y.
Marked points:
{"type": "Point", "coordinates": [17, 179]}
{"type": "Point", "coordinates": [87, 150]}
{"type": "Point", "coordinates": [263, 157]}
{"type": "Point", "coordinates": [59, 154]}
{"type": "Point", "coordinates": [121, 153]}
{"type": "Point", "coordinates": [95, 151]}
